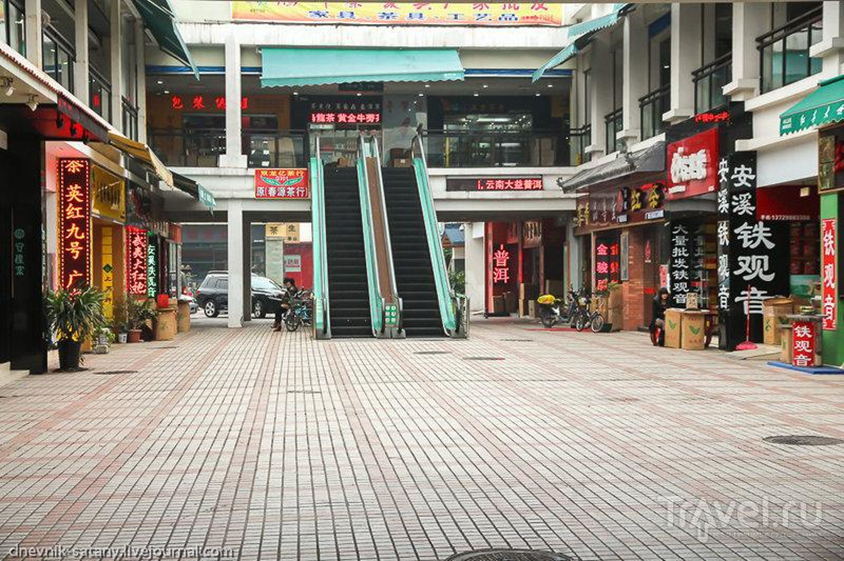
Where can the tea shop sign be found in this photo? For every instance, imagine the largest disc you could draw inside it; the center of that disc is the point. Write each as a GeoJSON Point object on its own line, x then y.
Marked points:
{"type": "Point", "coordinates": [74, 222]}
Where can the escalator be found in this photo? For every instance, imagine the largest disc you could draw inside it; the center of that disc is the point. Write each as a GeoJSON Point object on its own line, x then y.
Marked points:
{"type": "Point", "coordinates": [422, 316]}
{"type": "Point", "coordinates": [348, 298]}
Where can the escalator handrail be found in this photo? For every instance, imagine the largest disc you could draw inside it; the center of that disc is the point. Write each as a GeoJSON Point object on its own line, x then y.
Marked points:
{"type": "Point", "coordinates": [376, 299]}
{"type": "Point", "coordinates": [320, 243]}
{"type": "Point", "coordinates": [394, 287]}
{"type": "Point", "coordinates": [445, 295]}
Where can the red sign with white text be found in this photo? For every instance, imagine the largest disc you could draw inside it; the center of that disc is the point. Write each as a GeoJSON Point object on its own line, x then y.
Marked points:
{"type": "Point", "coordinates": [74, 222]}
{"type": "Point", "coordinates": [501, 266]}
{"type": "Point", "coordinates": [803, 344]}
{"type": "Point", "coordinates": [829, 282]}
{"type": "Point", "coordinates": [281, 184]}
{"type": "Point", "coordinates": [136, 259]}
{"type": "Point", "coordinates": [693, 165]}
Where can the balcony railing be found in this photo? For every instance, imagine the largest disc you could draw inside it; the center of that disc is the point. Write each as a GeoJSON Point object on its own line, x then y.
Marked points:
{"type": "Point", "coordinates": [784, 52]}
{"type": "Point", "coordinates": [710, 80]}
{"type": "Point", "coordinates": [579, 139]}
{"type": "Point", "coordinates": [130, 119]}
{"type": "Point", "coordinates": [614, 122]}
{"type": "Point", "coordinates": [452, 149]}
{"type": "Point", "coordinates": [652, 106]}
{"type": "Point", "coordinates": [99, 94]}
{"type": "Point", "coordinates": [203, 147]}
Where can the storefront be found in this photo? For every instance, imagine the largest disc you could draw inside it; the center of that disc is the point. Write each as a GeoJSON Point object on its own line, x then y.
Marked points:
{"type": "Point", "coordinates": [831, 191]}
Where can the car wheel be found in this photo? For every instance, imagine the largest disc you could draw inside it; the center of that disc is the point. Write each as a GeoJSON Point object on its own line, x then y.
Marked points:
{"type": "Point", "coordinates": [258, 310]}
{"type": "Point", "coordinates": [211, 310]}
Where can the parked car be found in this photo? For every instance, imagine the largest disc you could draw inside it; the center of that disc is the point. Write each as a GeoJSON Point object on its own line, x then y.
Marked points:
{"type": "Point", "coordinates": [213, 294]}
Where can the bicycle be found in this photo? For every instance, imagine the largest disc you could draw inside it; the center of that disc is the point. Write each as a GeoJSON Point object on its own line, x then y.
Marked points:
{"type": "Point", "coordinates": [586, 318]}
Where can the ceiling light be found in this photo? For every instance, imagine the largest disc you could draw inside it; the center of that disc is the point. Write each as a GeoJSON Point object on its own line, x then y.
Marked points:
{"type": "Point", "coordinates": [550, 85]}
{"type": "Point", "coordinates": [477, 94]}
{"type": "Point", "coordinates": [10, 90]}
{"type": "Point", "coordinates": [486, 85]}
{"type": "Point", "coordinates": [32, 104]}
{"type": "Point", "coordinates": [537, 94]}
{"type": "Point", "coordinates": [358, 94]}
{"type": "Point", "coordinates": [160, 82]}
{"type": "Point", "coordinates": [295, 93]}
{"type": "Point", "coordinates": [168, 91]}
{"type": "Point", "coordinates": [421, 94]}
{"type": "Point", "coordinates": [427, 85]}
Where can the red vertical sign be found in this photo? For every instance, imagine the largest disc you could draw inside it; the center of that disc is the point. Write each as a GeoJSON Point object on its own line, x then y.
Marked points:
{"type": "Point", "coordinates": [136, 258]}
{"type": "Point", "coordinates": [74, 222]}
{"type": "Point", "coordinates": [803, 344]}
{"type": "Point", "coordinates": [501, 265]}
{"type": "Point", "coordinates": [828, 274]}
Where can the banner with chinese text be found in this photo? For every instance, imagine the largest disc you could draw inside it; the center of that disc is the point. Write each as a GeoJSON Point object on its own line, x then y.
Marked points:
{"type": "Point", "coordinates": [74, 222]}
{"type": "Point", "coordinates": [829, 300]}
{"type": "Point", "coordinates": [401, 13]}
{"type": "Point", "coordinates": [281, 184]}
{"type": "Point", "coordinates": [136, 261]}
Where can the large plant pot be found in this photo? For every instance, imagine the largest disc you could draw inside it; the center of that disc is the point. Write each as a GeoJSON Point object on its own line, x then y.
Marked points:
{"type": "Point", "coordinates": [134, 336]}
{"type": "Point", "coordinates": [70, 353]}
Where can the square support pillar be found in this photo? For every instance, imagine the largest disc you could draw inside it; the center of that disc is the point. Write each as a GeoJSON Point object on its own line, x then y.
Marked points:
{"type": "Point", "coordinates": [601, 92]}
{"type": "Point", "coordinates": [82, 64]}
{"type": "Point", "coordinates": [234, 157]}
{"type": "Point", "coordinates": [475, 265]}
{"type": "Point", "coordinates": [247, 269]}
{"type": "Point", "coordinates": [32, 34]}
{"type": "Point", "coordinates": [140, 65]}
{"type": "Point", "coordinates": [116, 60]}
{"type": "Point", "coordinates": [831, 47]}
{"type": "Point", "coordinates": [750, 20]}
{"type": "Point", "coordinates": [685, 57]}
{"type": "Point", "coordinates": [635, 75]}
{"type": "Point", "coordinates": [236, 247]}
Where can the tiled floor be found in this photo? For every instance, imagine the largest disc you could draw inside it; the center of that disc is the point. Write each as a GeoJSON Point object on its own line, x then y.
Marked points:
{"type": "Point", "coordinates": [257, 445]}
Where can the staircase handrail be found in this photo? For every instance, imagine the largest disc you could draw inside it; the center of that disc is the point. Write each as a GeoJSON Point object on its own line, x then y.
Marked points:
{"type": "Point", "coordinates": [376, 299]}
{"type": "Point", "coordinates": [322, 314]}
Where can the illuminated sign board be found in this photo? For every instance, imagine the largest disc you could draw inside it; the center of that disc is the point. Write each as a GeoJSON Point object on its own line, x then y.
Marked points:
{"type": "Point", "coordinates": [136, 260]}
{"type": "Point", "coordinates": [74, 222]}
{"type": "Point", "coordinates": [493, 184]}
{"type": "Point", "coordinates": [282, 184]}
{"type": "Point", "coordinates": [202, 102]}
{"type": "Point", "coordinates": [501, 265]}
{"type": "Point", "coordinates": [829, 282]}
{"type": "Point", "coordinates": [152, 266]}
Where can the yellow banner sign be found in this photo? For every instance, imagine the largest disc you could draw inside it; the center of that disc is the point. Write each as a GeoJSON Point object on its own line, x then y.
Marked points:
{"type": "Point", "coordinates": [391, 13]}
{"type": "Point", "coordinates": [108, 194]}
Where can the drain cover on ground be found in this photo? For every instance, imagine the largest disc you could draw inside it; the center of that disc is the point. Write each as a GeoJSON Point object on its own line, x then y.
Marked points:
{"type": "Point", "coordinates": [107, 372]}
{"type": "Point", "coordinates": [508, 555]}
{"type": "Point", "coordinates": [431, 353]}
{"type": "Point", "coordinates": [795, 440]}
{"type": "Point", "coordinates": [484, 358]}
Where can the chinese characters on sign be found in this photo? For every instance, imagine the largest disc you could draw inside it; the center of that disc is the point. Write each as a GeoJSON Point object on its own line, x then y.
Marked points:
{"type": "Point", "coordinates": [74, 222]}
{"type": "Point", "coordinates": [607, 265]}
{"type": "Point", "coordinates": [201, 103]}
{"type": "Point", "coordinates": [692, 165]}
{"type": "Point", "coordinates": [401, 13]}
{"type": "Point", "coordinates": [803, 344]}
{"type": "Point", "coordinates": [152, 266]}
{"type": "Point", "coordinates": [19, 264]}
{"type": "Point", "coordinates": [136, 261]}
{"type": "Point", "coordinates": [346, 112]}
{"type": "Point", "coordinates": [493, 184]}
{"type": "Point", "coordinates": [683, 248]}
{"type": "Point", "coordinates": [828, 278]}
{"type": "Point", "coordinates": [281, 184]}
{"type": "Point", "coordinates": [712, 117]}
{"type": "Point", "coordinates": [501, 265]}
{"type": "Point", "coordinates": [636, 204]}
{"type": "Point", "coordinates": [749, 268]}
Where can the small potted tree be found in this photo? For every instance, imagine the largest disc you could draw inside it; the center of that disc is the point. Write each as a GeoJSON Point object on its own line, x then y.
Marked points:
{"type": "Point", "coordinates": [75, 315]}
{"type": "Point", "coordinates": [140, 312]}
{"type": "Point", "coordinates": [120, 321]}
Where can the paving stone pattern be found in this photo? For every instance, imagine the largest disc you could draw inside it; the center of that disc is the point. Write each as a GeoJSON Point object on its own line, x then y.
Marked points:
{"type": "Point", "coordinates": [260, 445]}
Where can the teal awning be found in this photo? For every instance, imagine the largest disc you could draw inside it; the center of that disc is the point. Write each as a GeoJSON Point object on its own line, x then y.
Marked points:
{"type": "Point", "coordinates": [160, 19]}
{"type": "Point", "coordinates": [822, 106]}
{"type": "Point", "coordinates": [563, 55]}
{"type": "Point", "coordinates": [316, 67]}
{"type": "Point", "coordinates": [598, 23]}
{"type": "Point", "coordinates": [206, 197]}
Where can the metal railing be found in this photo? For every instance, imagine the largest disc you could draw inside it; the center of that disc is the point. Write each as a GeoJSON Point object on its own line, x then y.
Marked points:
{"type": "Point", "coordinates": [784, 51]}
{"type": "Point", "coordinates": [322, 314]}
{"type": "Point", "coordinates": [579, 140]}
{"type": "Point", "coordinates": [461, 149]}
{"type": "Point", "coordinates": [377, 303]}
{"type": "Point", "coordinates": [710, 80]}
{"type": "Point", "coordinates": [130, 119]}
{"type": "Point", "coordinates": [614, 123]}
{"type": "Point", "coordinates": [651, 108]}
{"type": "Point", "coordinates": [99, 94]}
{"type": "Point", "coordinates": [203, 147]}
{"type": "Point", "coordinates": [275, 150]}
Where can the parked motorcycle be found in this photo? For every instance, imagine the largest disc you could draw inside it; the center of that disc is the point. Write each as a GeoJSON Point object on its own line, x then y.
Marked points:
{"type": "Point", "coordinates": [299, 313]}
{"type": "Point", "coordinates": [550, 309]}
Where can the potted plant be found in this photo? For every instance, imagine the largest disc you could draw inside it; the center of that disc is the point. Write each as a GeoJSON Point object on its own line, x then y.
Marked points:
{"type": "Point", "coordinates": [75, 315]}
{"type": "Point", "coordinates": [120, 321]}
{"type": "Point", "coordinates": [140, 311]}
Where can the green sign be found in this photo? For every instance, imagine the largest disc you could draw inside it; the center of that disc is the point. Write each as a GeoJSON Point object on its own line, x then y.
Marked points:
{"type": "Point", "coordinates": [152, 270]}
{"type": "Point", "coordinates": [20, 265]}
{"type": "Point", "coordinates": [206, 197]}
{"type": "Point", "coordinates": [391, 314]}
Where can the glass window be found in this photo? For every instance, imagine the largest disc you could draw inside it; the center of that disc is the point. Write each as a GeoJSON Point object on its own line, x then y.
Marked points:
{"type": "Point", "coordinates": [785, 49]}
{"type": "Point", "coordinates": [13, 31]}
{"type": "Point", "coordinates": [264, 284]}
{"type": "Point", "coordinates": [57, 59]}
{"type": "Point", "coordinates": [587, 101]}
{"type": "Point", "coordinates": [129, 62]}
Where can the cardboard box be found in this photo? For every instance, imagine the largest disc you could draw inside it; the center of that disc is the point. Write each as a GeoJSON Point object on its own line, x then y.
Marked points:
{"type": "Point", "coordinates": [524, 308]}
{"type": "Point", "coordinates": [533, 308]}
{"type": "Point", "coordinates": [511, 303]}
{"type": "Point", "coordinates": [402, 163]}
{"type": "Point", "coordinates": [673, 327]}
{"type": "Point", "coordinates": [786, 345]}
{"type": "Point", "coordinates": [498, 304]}
{"type": "Point", "coordinates": [773, 312]}
{"type": "Point", "coordinates": [694, 330]}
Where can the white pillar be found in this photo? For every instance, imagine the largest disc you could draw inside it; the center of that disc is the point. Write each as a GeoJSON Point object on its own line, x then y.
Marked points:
{"type": "Point", "coordinates": [600, 92]}
{"type": "Point", "coordinates": [685, 57]}
{"type": "Point", "coordinates": [81, 66]}
{"type": "Point", "coordinates": [831, 47]}
{"type": "Point", "coordinates": [635, 75]}
{"type": "Point", "coordinates": [234, 157]}
{"type": "Point", "coordinates": [116, 58]}
{"type": "Point", "coordinates": [235, 239]}
{"type": "Point", "coordinates": [141, 73]}
{"type": "Point", "coordinates": [247, 269]}
{"type": "Point", "coordinates": [33, 32]}
{"type": "Point", "coordinates": [750, 20]}
{"type": "Point", "coordinates": [574, 257]}
{"type": "Point", "coordinates": [475, 265]}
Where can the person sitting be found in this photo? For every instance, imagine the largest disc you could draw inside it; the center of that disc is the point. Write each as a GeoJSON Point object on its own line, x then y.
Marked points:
{"type": "Point", "coordinates": [661, 302]}
{"type": "Point", "coordinates": [290, 290]}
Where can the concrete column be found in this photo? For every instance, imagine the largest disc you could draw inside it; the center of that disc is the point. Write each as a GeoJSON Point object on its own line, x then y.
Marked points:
{"type": "Point", "coordinates": [600, 93]}
{"type": "Point", "coordinates": [831, 47]}
{"type": "Point", "coordinates": [236, 246]}
{"type": "Point", "coordinates": [635, 75]}
{"type": "Point", "coordinates": [116, 48]}
{"type": "Point", "coordinates": [234, 157]}
{"type": "Point", "coordinates": [141, 72]}
{"type": "Point", "coordinates": [575, 276]}
{"type": "Point", "coordinates": [81, 66]}
{"type": "Point", "coordinates": [685, 57]}
{"type": "Point", "coordinates": [32, 37]}
{"type": "Point", "coordinates": [475, 264]}
{"type": "Point", "coordinates": [750, 20]}
{"type": "Point", "coordinates": [247, 268]}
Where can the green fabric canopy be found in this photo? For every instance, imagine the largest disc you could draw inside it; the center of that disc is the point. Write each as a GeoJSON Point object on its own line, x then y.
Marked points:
{"type": "Point", "coordinates": [563, 55]}
{"type": "Point", "coordinates": [160, 19]}
{"type": "Point", "coordinates": [598, 23]}
{"type": "Point", "coordinates": [822, 106]}
{"type": "Point", "coordinates": [316, 67]}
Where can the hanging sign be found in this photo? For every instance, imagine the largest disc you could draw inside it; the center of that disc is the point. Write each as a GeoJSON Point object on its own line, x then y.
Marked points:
{"type": "Point", "coordinates": [401, 13]}
{"type": "Point", "coordinates": [501, 265]}
{"type": "Point", "coordinates": [281, 184]}
{"type": "Point", "coordinates": [750, 267]}
{"type": "Point", "coordinates": [108, 195]}
{"type": "Point", "coordinates": [20, 245]}
{"type": "Point", "coordinates": [692, 165]}
{"type": "Point", "coordinates": [803, 344]}
{"type": "Point", "coordinates": [136, 259]}
{"type": "Point", "coordinates": [346, 111]}
{"type": "Point", "coordinates": [829, 306]}
{"type": "Point", "coordinates": [152, 266]}
{"type": "Point", "coordinates": [196, 102]}
{"type": "Point", "coordinates": [74, 222]}
{"type": "Point", "coordinates": [607, 262]}
{"type": "Point", "coordinates": [682, 245]}
{"type": "Point", "coordinates": [107, 260]}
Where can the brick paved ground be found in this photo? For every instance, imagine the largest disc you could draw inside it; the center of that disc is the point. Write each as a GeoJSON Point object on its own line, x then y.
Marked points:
{"type": "Point", "coordinates": [278, 447]}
